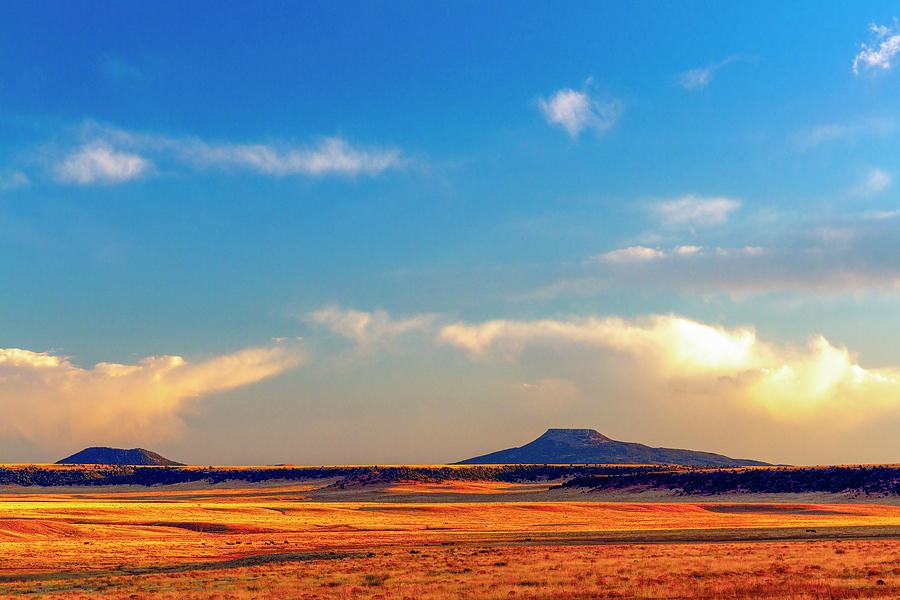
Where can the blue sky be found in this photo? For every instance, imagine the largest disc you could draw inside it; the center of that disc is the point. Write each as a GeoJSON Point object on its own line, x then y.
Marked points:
{"type": "Point", "coordinates": [465, 222]}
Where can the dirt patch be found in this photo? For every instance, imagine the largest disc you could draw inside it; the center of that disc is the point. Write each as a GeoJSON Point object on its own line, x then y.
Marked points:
{"type": "Point", "coordinates": [402, 509]}
{"type": "Point", "coordinates": [207, 527]}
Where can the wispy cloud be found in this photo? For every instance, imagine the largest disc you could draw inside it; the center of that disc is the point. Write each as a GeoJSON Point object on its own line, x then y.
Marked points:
{"type": "Point", "coordinates": [885, 44]}
{"type": "Point", "coordinates": [879, 215]}
{"type": "Point", "coordinates": [368, 328]}
{"type": "Point", "coordinates": [53, 402]}
{"type": "Point", "coordinates": [695, 210]}
{"type": "Point", "coordinates": [576, 111]}
{"type": "Point", "coordinates": [330, 156]}
{"type": "Point", "coordinates": [122, 70]}
{"type": "Point", "coordinates": [100, 163]}
{"type": "Point", "coordinates": [847, 131]}
{"type": "Point", "coordinates": [112, 155]}
{"type": "Point", "coordinates": [14, 180]}
{"type": "Point", "coordinates": [873, 182]}
{"type": "Point", "coordinates": [730, 365]}
{"type": "Point", "coordinates": [700, 77]}
{"type": "Point", "coordinates": [634, 254]}
{"type": "Point", "coordinates": [852, 255]}
{"type": "Point", "coordinates": [631, 254]}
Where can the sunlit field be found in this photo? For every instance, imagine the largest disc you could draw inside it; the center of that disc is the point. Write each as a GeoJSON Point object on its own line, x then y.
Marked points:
{"type": "Point", "coordinates": [463, 539]}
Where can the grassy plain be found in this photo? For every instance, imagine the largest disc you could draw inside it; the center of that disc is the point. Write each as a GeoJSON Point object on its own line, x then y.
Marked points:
{"type": "Point", "coordinates": [458, 539]}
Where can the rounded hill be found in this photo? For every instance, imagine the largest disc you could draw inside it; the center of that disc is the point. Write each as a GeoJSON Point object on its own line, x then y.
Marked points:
{"type": "Point", "coordinates": [101, 455]}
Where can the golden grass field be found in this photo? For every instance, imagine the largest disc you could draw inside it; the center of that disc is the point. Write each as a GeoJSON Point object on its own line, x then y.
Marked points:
{"type": "Point", "coordinates": [459, 540]}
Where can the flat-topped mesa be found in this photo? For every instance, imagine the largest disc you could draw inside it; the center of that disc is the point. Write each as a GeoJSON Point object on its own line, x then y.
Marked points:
{"type": "Point", "coordinates": [575, 437]}
{"type": "Point", "coordinates": [588, 446]}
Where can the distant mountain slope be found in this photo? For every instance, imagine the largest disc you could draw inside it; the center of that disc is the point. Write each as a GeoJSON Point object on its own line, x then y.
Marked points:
{"type": "Point", "coordinates": [100, 455]}
{"type": "Point", "coordinates": [587, 446]}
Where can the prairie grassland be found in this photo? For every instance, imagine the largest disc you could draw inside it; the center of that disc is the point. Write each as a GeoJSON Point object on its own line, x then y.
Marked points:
{"type": "Point", "coordinates": [278, 542]}
{"type": "Point", "coordinates": [798, 570]}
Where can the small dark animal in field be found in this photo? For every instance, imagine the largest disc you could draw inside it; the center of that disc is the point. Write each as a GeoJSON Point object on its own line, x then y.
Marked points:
{"type": "Point", "coordinates": [810, 531]}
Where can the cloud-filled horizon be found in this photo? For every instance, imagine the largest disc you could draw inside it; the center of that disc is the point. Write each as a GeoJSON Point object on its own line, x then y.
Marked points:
{"type": "Point", "coordinates": [664, 362]}
{"type": "Point", "coordinates": [54, 403]}
{"type": "Point", "coordinates": [682, 235]}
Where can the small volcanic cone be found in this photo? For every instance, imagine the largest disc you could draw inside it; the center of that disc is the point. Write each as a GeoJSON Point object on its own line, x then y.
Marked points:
{"type": "Point", "coordinates": [101, 455]}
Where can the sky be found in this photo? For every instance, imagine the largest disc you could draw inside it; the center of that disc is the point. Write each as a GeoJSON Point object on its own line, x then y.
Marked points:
{"type": "Point", "coordinates": [410, 232]}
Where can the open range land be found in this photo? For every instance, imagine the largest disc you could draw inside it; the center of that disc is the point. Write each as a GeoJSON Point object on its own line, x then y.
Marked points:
{"type": "Point", "coordinates": [443, 532]}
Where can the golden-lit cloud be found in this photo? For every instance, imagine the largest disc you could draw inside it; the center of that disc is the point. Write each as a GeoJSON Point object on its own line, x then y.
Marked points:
{"type": "Point", "coordinates": [368, 328]}
{"type": "Point", "coordinates": [55, 403]}
{"type": "Point", "coordinates": [723, 365]}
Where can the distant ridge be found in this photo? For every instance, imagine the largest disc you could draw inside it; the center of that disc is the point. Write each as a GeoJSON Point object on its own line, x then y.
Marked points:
{"type": "Point", "coordinates": [588, 446]}
{"type": "Point", "coordinates": [101, 455]}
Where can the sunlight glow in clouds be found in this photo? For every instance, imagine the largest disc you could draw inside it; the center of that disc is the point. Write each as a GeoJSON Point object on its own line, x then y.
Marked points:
{"type": "Point", "coordinates": [55, 403]}
{"type": "Point", "coordinates": [729, 365]}
{"type": "Point", "coordinates": [99, 163]}
{"type": "Point", "coordinates": [885, 45]}
{"type": "Point", "coordinates": [364, 328]}
{"type": "Point", "coordinates": [577, 111]}
{"type": "Point", "coordinates": [643, 254]}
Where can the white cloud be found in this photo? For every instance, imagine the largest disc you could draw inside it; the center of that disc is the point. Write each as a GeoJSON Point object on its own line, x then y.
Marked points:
{"type": "Point", "coordinates": [874, 182]}
{"type": "Point", "coordinates": [368, 328]}
{"type": "Point", "coordinates": [695, 210]}
{"type": "Point", "coordinates": [885, 45]}
{"type": "Point", "coordinates": [745, 251]}
{"type": "Point", "coordinates": [111, 155]}
{"type": "Point", "coordinates": [99, 163]}
{"type": "Point", "coordinates": [331, 156]}
{"type": "Point", "coordinates": [687, 250]}
{"type": "Point", "coordinates": [14, 181]}
{"type": "Point", "coordinates": [700, 77]}
{"type": "Point", "coordinates": [576, 111]}
{"type": "Point", "coordinates": [851, 255]}
{"type": "Point", "coordinates": [883, 215]}
{"type": "Point", "coordinates": [634, 254]}
{"type": "Point", "coordinates": [54, 403]}
{"type": "Point", "coordinates": [631, 254]}
{"type": "Point", "coordinates": [728, 365]}
{"type": "Point", "coordinates": [850, 131]}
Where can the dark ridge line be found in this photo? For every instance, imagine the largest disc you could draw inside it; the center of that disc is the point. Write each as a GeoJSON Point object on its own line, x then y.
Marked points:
{"type": "Point", "coordinates": [685, 481]}
{"type": "Point", "coordinates": [830, 533]}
